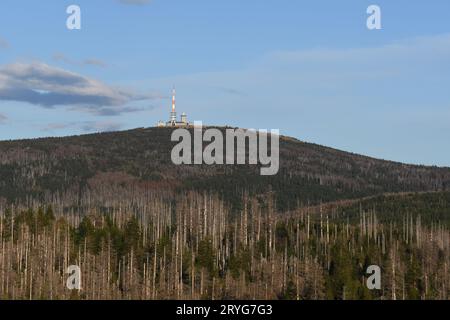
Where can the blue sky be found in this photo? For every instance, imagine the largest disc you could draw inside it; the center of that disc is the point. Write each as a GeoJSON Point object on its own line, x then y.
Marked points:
{"type": "Point", "coordinates": [309, 68]}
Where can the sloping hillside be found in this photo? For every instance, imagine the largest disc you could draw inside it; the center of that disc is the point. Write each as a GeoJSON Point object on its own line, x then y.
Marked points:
{"type": "Point", "coordinates": [139, 159]}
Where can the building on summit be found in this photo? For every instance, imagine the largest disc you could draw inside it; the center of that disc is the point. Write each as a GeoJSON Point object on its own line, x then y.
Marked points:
{"type": "Point", "coordinates": [173, 117]}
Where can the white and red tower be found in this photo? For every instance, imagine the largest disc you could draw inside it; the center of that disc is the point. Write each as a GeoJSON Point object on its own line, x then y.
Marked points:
{"type": "Point", "coordinates": [173, 114]}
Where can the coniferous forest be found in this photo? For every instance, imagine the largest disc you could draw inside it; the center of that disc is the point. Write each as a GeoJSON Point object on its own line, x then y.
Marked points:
{"type": "Point", "coordinates": [192, 248]}
{"type": "Point", "coordinates": [158, 231]}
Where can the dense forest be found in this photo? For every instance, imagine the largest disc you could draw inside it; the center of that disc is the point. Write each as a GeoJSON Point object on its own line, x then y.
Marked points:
{"type": "Point", "coordinates": [140, 227]}
{"type": "Point", "coordinates": [192, 248]}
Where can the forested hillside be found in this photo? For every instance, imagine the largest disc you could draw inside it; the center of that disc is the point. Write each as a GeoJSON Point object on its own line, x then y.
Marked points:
{"type": "Point", "coordinates": [72, 168]}
{"type": "Point", "coordinates": [140, 227]}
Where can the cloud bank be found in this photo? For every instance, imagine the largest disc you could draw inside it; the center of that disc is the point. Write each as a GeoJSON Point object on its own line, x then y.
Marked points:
{"type": "Point", "coordinates": [40, 84]}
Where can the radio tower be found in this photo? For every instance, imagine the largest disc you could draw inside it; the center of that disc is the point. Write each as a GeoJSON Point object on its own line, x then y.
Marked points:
{"type": "Point", "coordinates": [172, 122]}
{"type": "Point", "coordinates": [173, 114]}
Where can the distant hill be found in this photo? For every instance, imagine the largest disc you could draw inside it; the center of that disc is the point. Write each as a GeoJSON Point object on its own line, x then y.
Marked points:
{"type": "Point", "coordinates": [139, 160]}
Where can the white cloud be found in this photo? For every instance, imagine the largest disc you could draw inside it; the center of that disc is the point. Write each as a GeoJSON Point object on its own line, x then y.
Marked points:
{"type": "Point", "coordinates": [40, 84]}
